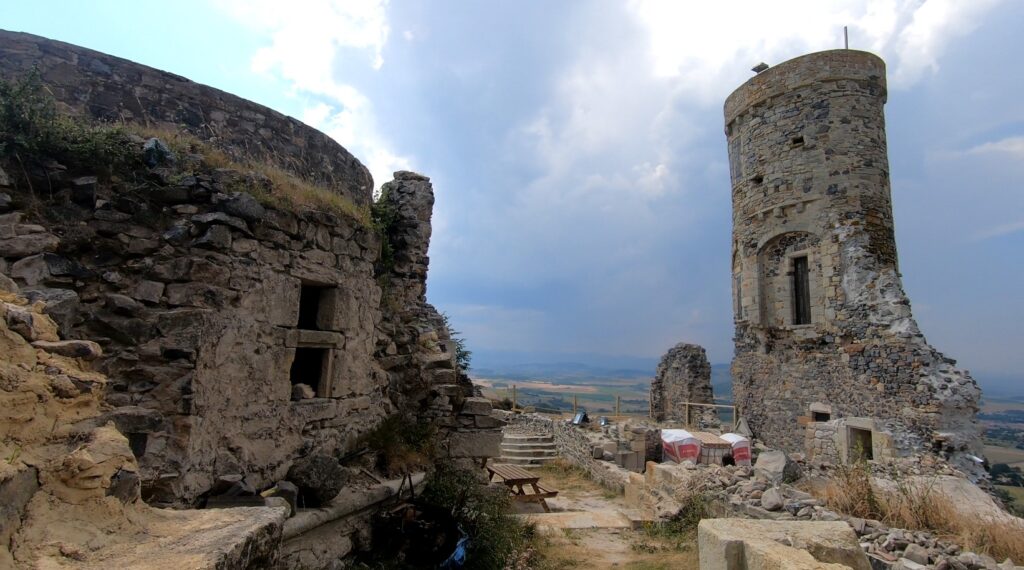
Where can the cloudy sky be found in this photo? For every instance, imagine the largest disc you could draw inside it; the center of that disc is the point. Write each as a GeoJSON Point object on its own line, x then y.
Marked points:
{"type": "Point", "coordinates": [577, 151]}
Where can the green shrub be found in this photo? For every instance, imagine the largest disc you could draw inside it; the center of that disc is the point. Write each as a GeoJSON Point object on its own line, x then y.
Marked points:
{"type": "Point", "coordinates": [402, 445]}
{"type": "Point", "coordinates": [463, 356]}
{"type": "Point", "coordinates": [497, 537]}
{"type": "Point", "coordinates": [31, 130]}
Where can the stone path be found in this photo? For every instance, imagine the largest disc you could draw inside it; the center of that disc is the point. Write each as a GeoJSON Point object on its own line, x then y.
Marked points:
{"type": "Point", "coordinates": [591, 528]}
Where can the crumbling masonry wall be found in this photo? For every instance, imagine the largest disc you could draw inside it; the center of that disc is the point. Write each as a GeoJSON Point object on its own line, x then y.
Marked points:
{"type": "Point", "coordinates": [683, 375]}
{"type": "Point", "coordinates": [237, 337]}
{"type": "Point", "coordinates": [115, 90]}
{"type": "Point", "coordinates": [821, 318]}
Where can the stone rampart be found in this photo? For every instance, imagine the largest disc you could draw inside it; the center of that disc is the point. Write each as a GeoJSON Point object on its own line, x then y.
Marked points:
{"type": "Point", "coordinates": [111, 89]}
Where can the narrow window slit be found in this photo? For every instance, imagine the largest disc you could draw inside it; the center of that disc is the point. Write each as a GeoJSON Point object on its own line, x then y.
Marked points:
{"type": "Point", "coordinates": [801, 292]}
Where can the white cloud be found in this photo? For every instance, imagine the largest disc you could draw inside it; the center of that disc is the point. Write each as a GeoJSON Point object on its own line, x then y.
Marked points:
{"type": "Point", "coordinates": [1000, 230]}
{"type": "Point", "coordinates": [1011, 146]}
{"type": "Point", "coordinates": [305, 38]}
{"type": "Point", "coordinates": [709, 45]}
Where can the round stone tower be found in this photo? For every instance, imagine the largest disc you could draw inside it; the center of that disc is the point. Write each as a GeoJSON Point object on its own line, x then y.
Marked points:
{"type": "Point", "coordinates": [826, 346]}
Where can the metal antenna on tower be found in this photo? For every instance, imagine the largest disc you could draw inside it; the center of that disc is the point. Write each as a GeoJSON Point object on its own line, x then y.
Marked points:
{"type": "Point", "coordinates": [846, 38]}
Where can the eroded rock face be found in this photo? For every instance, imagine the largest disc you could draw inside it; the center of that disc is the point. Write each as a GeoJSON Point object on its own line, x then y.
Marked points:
{"type": "Point", "coordinates": [823, 327]}
{"type": "Point", "coordinates": [69, 485]}
{"type": "Point", "coordinates": [683, 375]}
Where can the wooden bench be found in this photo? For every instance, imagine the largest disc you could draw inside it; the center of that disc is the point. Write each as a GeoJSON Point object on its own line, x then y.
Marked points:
{"type": "Point", "coordinates": [520, 483]}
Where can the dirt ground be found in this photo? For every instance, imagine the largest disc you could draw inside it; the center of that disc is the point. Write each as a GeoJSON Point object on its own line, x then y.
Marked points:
{"type": "Point", "coordinates": [592, 528]}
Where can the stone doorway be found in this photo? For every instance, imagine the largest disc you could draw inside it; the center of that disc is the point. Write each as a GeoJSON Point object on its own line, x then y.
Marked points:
{"type": "Point", "coordinates": [860, 444]}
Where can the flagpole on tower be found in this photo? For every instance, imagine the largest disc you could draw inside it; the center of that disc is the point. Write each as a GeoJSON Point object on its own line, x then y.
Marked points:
{"type": "Point", "coordinates": [846, 38]}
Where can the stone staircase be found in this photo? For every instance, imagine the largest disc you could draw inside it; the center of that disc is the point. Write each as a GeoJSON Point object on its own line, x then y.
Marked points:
{"type": "Point", "coordinates": [527, 450]}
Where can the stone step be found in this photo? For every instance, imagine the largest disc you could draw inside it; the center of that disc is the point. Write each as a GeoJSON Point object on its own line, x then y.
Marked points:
{"type": "Point", "coordinates": [529, 452]}
{"type": "Point", "coordinates": [524, 461]}
{"type": "Point", "coordinates": [529, 445]}
{"type": "Point", "coordinates": [526, 438]}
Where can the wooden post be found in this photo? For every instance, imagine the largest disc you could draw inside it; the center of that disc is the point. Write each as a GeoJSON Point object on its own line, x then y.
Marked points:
{"type": "Point", "coordinates": [513, 397]}
{"type": "Point", "coordinates": [618, 406]}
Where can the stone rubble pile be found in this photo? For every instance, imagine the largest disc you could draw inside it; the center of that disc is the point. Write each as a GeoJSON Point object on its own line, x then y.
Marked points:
{"type": "Point", "coordinates": [765, 492]}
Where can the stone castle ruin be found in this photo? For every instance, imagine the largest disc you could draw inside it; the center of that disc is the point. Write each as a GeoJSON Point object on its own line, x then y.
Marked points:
{"type": "Point", "coordinates": [828, 355]}
{"type": "Point", "coordinates": [683, 376]}
{"type": "Point", "coordinates": [239, 339]}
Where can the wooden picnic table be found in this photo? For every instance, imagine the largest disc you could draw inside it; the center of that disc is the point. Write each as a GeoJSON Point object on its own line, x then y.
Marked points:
{"type": "Point", "coordinates": [516, 479]}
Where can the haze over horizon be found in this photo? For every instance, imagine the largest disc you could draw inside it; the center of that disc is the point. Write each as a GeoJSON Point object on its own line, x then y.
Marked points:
{"type": "Point", "coordinates": [583, 200]}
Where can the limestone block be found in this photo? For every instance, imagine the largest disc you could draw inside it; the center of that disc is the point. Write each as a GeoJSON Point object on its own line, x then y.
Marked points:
{"type": "Point", "coordinates": [489, 422]}
{"type": "Point", "coordinates": [772, 499]}
{"type": "Point", "coordinates": [30, 244]}
{"type": "Point", "coordinates": [777, 467]}
{"type": "Point", "coordinates": [475, 444]}
{"type": "Point", "coordinates": [148, 291]}
{"type": "Point", "coordinates": [476, 407]}
{"type": "Point", "coordinates": [744, 544]}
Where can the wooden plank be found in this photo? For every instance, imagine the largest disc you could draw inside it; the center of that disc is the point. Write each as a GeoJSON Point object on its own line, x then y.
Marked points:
{"type": "Point", "coordinates": [512, 472]}
{"type": "Point", "coordinates": [711, 440]}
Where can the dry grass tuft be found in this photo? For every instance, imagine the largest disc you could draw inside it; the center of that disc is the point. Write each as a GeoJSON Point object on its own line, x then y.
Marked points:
{"type": "Point", "coordinates": [921, 507]}
{"type": "Point", "coordinates": [284, 190]}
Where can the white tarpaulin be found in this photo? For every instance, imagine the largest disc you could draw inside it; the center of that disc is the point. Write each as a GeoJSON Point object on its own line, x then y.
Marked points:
{"type": "Point", "coordinates": [680, 445]}
{"type": "Point", "coordinates": [740, 448]}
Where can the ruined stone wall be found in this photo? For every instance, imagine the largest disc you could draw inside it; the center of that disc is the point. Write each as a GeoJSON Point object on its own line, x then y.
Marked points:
{"type": "Point", "coordinates": [683, 375]}
{"type": "Point", "coordinates": [810, 183]}
{"type": "Point", "coordinates": [116, 90]}
{"type": "Point", "coordinates": [237, 337]}
{"type": "Point", "coordinates": [414, 343]}
{"type": "Point", "coordinates": [194, 294]}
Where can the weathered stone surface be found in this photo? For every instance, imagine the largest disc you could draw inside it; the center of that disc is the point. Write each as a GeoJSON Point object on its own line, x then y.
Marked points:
{"type": "Point", "coordinates": [811, 199]}
{"type": "Point", "coordinates": [771, 500]}
{"type": "Point", "coordinates": [84, 349]}
{"type": "Point", "coordinates": [475, 444]}
{"type": "Point", "coordinates": [683, 375]}
{"type": "Point", "coordinates": [916, 553]}
{"type": "Point", "coordinates": [318, 477]}
{"type": "Point", "coordinates": [476, 407]}
{"type": "Point", "coordinates": [741, 544]}
{"type": "Point", "coordinates": [62, 305]}
{"type": "Point", "coordinates": [243, 205]}
{"type": "Point", "coordinates": [5, 202]}
{"type": "Point", "coordinates": [29, 244]}
{"type": "Point", "coordinates": [777, 467]}
{"type": "Point", "coordinates": [302, 392]}
{"type": "Point", "coordinates": [7, 285]}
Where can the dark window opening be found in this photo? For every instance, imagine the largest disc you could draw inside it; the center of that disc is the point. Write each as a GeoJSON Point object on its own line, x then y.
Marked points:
{"type": "Point", "coordinates": [137, 443]}
{"type": "Point", "coordinates": [308, 367]}
{"type": "Point", "coordinates": [309, 306]}
{"type": "Point", "coordinates": [821, 416]}
{"type": "Point", "coordinates": [757, 179]}
{"type": "Point", "coordinates": [860, 444]}
{"type": "Point", "coordinates": [797, 141]}
{"type": "Point", "coordinates": [801, 292]}
{"type": "Point", "coordinates": [739, 297]}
